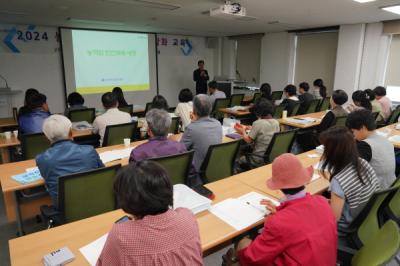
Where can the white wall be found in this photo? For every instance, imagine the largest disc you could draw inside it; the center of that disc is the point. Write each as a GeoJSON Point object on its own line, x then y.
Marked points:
{"type": "Point", "coordinates": [43, 71]}
{"type": "Point", "coordinates": [275, 59]}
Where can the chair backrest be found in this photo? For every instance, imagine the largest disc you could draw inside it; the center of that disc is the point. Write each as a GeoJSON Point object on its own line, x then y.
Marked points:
{"type": "Point", "coordinates": [394, 116]}
{"type": "Point", "coordinates": [86, 194]}
{"type": "Point", "coordinates": [382, 247]}
{"type": "Point", "coordinates": [174, 127]}
{"type": "Point", "coordinates": [15, 113]}
{"type": "Point", "coordinates": [324, 104]}
{"type": "Point", "coordinates": [219, 161]}
{"type": "Point", "coordinates": [33, 144]}
{"type": "Point", "coordinates": [375, 115]}
{"type": "Point", "coordinates": [393, 207]}
{"type": "Point", "coordinates": [147, 108]}
{"type": "Point", "coordinates": [295, 109]}
{"type": "Point", "coordinates": [340, 121]}
{"type": "Point", "coordinates": [218, 104]}
{"type": "Point", "coordinates": [256, 96]}
{"type": "Point", "coordinates": [312, 106]}
{"type": "Point", "coordinates": [177, 166]}
{"type": "Point", "coordinates": [278, 111]}
{"type": "Point", "coordinates": [281, 143]}
{"type": "Point", "coordinates": [126, 108]}
{"type": "Point", "coordinates": [236, 100]}
{"type": "Point", "coordinates": [276, 95]}
{"type": "Point", "coordinates": [115, 134]}
{"type": "Point", "coordinates": [369, 220]}
{"type": "Point", "coordinates": [87, 115]}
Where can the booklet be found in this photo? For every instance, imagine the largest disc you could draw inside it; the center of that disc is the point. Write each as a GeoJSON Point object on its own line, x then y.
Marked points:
{"type": "Point", "coordinates": [185, 197]}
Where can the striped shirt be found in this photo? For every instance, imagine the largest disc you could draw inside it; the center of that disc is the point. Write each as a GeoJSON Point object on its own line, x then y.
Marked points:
{"type": "Point", "coordinates": [357, 193]}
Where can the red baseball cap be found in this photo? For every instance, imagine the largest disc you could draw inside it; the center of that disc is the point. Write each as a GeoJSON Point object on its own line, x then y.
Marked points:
{"type": "Point", "coordinates": [288, 172]}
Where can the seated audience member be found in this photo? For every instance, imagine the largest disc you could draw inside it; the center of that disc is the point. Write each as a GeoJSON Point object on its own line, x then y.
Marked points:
{"type": "Point", "coordinates": [159, 102]}
{"type": "Point", "coordinates": [75, 102]}
{"type": "Point", "coordinates": [374, 148]}
{"type": "Point", "coordinates": [301, 231]}
{"type": "Point", "coordinates": [260, 134]}
{"type": "Point", "coordinates": [291, 98]}
{"type": "Point", "coordinates": [112, 116]}
{"type": "Point", "coordinates": [385, 102]}
{"type": "Point", "coordinates": [360, 101]}
{"type": "Point", "coordinates": [214, 92]}
{"type": "Point", "coordinates": [319, 89]}
{"type": "Point", "coordinates": [305, 97]}
{"type": "Point", "coordinates": [376, 106]}
{"type": "Point", "coordinates": [155, 234]}
{"type": "Point", "coordinates": [32, 121]}
{"type": "Point", "coordinates": [64, 156]}
{"type": "Point", "coordinates": [159, 145]}
{"type": "Point", "coordinates": [265, 90]}
{"type": "Point", "coordinates": [25, 109]}
{"type": "Point", "coordinates": [203, 131]}
{"type": "Point", "coordinates": [353, 180]}
{"type": "Point", "coordinates": [339, 97]}
{"type": "Point", "coordinates": [184, 107]}
{"type": "Point", "coordinates": [120, 96]}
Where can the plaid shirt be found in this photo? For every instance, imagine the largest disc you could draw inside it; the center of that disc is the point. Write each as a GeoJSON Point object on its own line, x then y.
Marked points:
{"type": "Point", "coordinates": [171, 238]}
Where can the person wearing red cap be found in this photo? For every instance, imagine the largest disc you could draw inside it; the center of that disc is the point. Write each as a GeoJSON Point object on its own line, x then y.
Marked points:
{"type": "Point", "coordinates": [301, 231]}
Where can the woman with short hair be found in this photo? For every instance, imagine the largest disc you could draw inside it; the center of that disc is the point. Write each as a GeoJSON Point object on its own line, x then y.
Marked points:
{"type": "Point", "coordinates": [155, 234]}
{"type": "Point", "coordinates": [184, 107]}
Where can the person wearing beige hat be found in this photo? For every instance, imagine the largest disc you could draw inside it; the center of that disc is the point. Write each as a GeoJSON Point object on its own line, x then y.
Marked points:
{"type": "Point", "coordinates": [301, 231]}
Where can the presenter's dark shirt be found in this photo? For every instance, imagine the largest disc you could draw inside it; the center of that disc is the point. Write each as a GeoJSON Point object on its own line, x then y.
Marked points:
{"type": "Point", "coordinates": [201, 81]}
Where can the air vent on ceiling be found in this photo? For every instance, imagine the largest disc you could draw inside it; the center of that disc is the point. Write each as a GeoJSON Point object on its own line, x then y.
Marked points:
{"type": "Point", "coordinates": [147, 3]}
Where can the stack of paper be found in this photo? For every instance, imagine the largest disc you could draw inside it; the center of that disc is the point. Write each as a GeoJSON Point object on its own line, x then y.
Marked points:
{"type": "Point", "coordinates": [239, 108]}
{"type": "Point", "coordinates": [83, 125]}
{"type": "Point", "coordinates": [109, 156]}
{"type": "Point", "coordinates": [184, 197]}
{"type": "Point", "coordinates": [30, 175]}
{"type": "Point", "coordinates": [305, 120]}
{"type": "Point", "coordinates": [395, 138]}
{"type": "Point", "coordinates": [92, 251]}
{"type": "Point", "coordinates": [242, 212]}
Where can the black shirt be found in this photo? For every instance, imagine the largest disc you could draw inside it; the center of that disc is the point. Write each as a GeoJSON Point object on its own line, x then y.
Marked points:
{"type": "Point", "coordinates": [201, 81]}
{"type": "Point", "coordinates": [305, 100]}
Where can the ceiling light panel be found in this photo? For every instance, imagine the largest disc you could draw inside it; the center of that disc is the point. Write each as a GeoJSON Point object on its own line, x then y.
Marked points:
{"type": "Point", "coordinates": [392, 9]}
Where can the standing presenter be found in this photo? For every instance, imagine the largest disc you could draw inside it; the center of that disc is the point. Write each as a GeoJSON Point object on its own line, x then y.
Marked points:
{"type": "Point", "coordinates": [200, 76]}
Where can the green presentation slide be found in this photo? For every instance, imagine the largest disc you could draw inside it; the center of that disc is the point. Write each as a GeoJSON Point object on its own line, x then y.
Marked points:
{"type": "Point", "coordinates": [104, 60]}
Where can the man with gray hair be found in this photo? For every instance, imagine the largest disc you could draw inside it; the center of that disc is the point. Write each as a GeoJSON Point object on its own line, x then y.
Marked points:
{"type": "Point", "coordinates": [203, 131]}
{"type": "Point", "coordinates": [159, 145]}
{"type": "Point", "coordinates": [64, 157]}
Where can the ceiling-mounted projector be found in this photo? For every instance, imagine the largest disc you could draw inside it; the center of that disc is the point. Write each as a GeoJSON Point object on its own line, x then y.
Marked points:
{"type": "Point", "coordinates": [228, 10]}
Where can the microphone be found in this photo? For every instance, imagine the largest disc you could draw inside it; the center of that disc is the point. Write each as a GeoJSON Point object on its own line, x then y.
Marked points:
{"type": "Point", "coordinates": [3, 78]}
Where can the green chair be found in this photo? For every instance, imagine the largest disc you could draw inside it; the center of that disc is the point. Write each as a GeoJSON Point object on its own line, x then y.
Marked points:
{"type": "Point", "coordinates": [126, 108]}
{"type": "Point", "coordinates": [367, 223]}
{"type": "Point", "coordinates": [281, 142]}
{"type": "Point", "coordinates": [276, 95]}
{"type": "Point", "coordinates": [312, 106]}
{"type": "Point", "coordinates": [87, 194]}
{"type": "Point", "coordinates": [174, 127]}
{"type": "Point", "coordinates": [380, 250]}
{"type": "Point", "coordinates": [219, 161]}
{"type": "Point", "coordinates": [33, 144]}
{"type": "Point", "coordinates": [236, 100]}
{"type": "Point", "coordinates": [171, 109]}
{"type": "Point", "coordinates": [392, 209]}
{"type": "Point", "coordinates": [278, 111]}
{"type": "Point", "coordinates": [340, 121]}
{"type": "Point", "coordinates": [177, 166]}
{"type": "Point", "coordinates": [324, 104]}
{"type": "Point", "coordinates": [218, 104]}
{"type": "Point", "coordinates": [256, 96]}
{"type": "Point", "coordinates": [147, 108]}
{"type": "Point", "coordinates": [375, 115]}
{"type": "Point", "coordinates": [394, 116]}
{"type": "Point", "coordinates": [115, 134]}
{"type": "Point", "coordinates": [87, 115]}
{"type": "Point", "coordinates": [295, 109]}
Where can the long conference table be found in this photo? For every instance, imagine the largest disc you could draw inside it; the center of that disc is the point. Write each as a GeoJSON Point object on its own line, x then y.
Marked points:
{"type": "Point", "coordinates": [214, 233]}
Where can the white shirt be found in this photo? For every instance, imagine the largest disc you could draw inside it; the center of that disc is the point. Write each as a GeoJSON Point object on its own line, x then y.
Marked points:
{"type": "Point", "coordinates": [112, 116]}
{"type": "Point", "coordinates": [183, 111]}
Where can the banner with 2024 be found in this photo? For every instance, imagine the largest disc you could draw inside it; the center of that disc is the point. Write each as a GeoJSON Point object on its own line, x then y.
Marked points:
{"type": "Point", "coordinates": [28, 39]}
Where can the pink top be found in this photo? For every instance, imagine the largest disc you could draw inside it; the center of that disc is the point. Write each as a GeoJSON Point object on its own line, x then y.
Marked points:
{"type": "Point", "coordinates": [386, 106]}
{"type": "Point", "coordinates": [171, 238]}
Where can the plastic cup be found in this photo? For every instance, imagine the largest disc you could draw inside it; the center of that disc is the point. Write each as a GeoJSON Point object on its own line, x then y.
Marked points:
{"type": "Point", "coordinates": [15, 133]}
{"type": "Point", "coordinates": [127, 142]}
{"type": "Point", "coordinates": [7, 134]}
{"type": "Point", "coordinates": [284, 114]}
